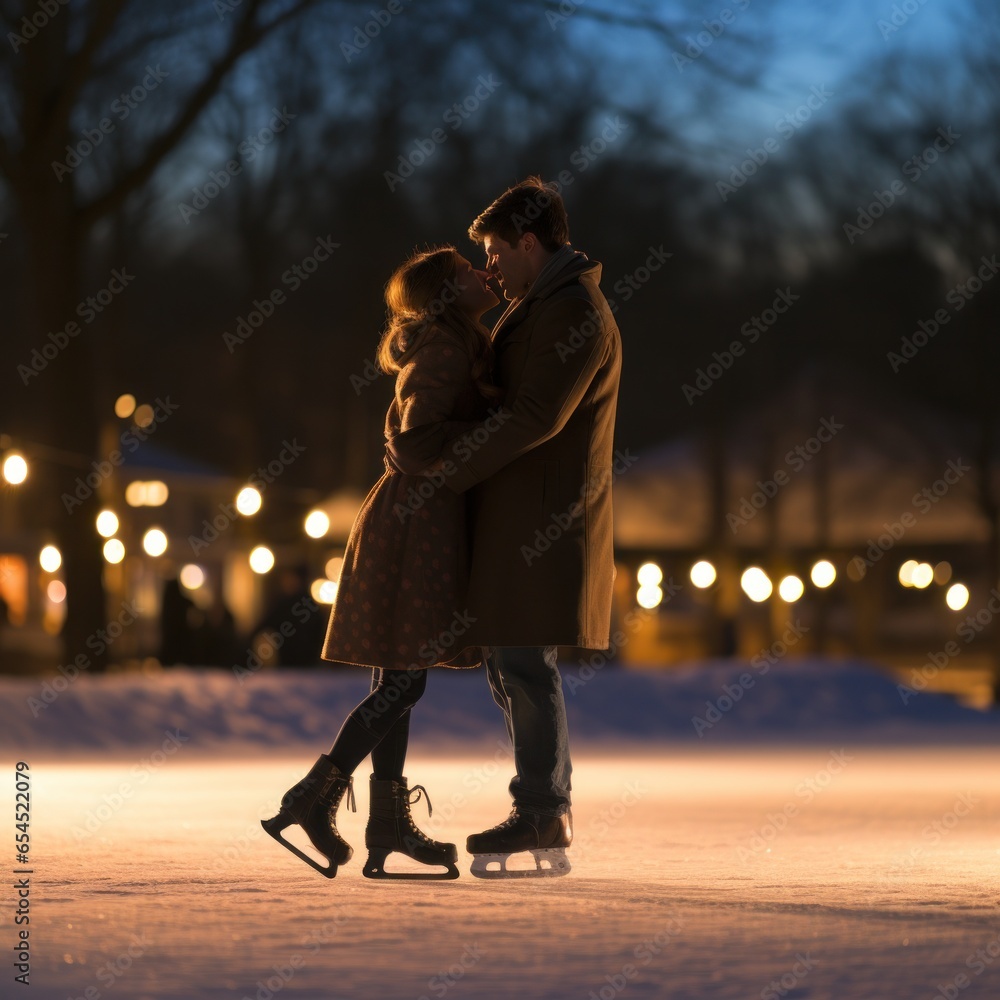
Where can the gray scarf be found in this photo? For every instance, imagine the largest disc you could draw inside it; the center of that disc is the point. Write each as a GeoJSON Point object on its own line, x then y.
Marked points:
{"type": "Point", "coordinates": [564, 260]}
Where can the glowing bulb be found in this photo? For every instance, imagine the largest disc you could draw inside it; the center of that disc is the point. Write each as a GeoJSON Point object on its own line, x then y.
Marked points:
{"type": "Point", "coordinates": [135, 493]}
{"type": "Point", "coordinates": [957, 596]}
{"type": "Point", "coordinates": [154, 542]}
{"type": "Point", "coordinates": [107, 523]}
{"type": "Point", "coordinates": [143, 415]}
{"type": "Point", "coordinates": [756, 584]}
{"type": "Point", "coordinates": [248, 501]}
{"type": "Point", "coordinates": [317, 524]}
{"type": "Point", "coordinates": [703, 574]}
{"type": "Point", "coordinates": [15, 469]}
{"type": "Point", "coordinates": [114, 551]}
{"type": "Point", "coordinates": [50, 559]}
{"type": "Point", "coordinates": [261, 559]}
{"type": "Point", "coordinates": [791, 589]}
{"type": "Point", "coordinates": [156, 494]}
{"type": "Point", "coordinates": [125, 405]}
{"type": "Point", "coordinates": [823, 573]}
{"type": "Point", "coordinates": [324, 591]}
{"type": "Point", "coordinates": [191, 576]}
{"type": "Point", "coordinates": [923, 576]}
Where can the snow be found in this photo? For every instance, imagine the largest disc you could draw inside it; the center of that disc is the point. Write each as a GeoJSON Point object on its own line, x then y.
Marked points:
{"type": "Point", "coordinates": [802, 701]}
{"type": "Point", "coordinates": [823, 839]}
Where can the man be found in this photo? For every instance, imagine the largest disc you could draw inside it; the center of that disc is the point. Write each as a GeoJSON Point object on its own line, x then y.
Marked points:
{"type": "Point", "coordinates": [542, 557]}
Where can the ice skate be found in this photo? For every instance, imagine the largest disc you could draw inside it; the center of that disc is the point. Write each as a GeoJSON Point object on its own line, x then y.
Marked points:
{"type": "Point", "coordinates": [391, 828]}
{"type": "Point", "coordinates": [545, 838]}
{"type": "Point", "coordinates": [312, 804]}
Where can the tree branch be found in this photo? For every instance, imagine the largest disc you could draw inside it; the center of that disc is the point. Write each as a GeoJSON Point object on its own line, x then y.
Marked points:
{"type": "Point", "coordinates": [246, 36]}
{"type": "Point", "coordinates": [668, 34]}
{"type": "Point", "coordinates": [104, 17]}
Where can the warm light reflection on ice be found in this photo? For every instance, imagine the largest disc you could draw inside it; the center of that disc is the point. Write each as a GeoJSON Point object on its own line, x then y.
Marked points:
{"type": "Point", "coordinates": [842, 852]}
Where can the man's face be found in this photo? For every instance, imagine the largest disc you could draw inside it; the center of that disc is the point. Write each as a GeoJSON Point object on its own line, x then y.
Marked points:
{"type": "Point", "coordinates": [510, 265]}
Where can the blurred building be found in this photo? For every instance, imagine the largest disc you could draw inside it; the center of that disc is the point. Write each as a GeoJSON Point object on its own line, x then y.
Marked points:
{"type": "Point", "coordinates": [861, 521]}
{"type": "Point", "coordinates": [221, 550]}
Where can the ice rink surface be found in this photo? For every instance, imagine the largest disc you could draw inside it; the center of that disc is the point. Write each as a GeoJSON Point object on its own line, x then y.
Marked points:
{"type": "Point", "coordinates": [827, 872]}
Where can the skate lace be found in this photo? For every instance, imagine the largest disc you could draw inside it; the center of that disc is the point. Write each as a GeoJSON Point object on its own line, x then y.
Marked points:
{"type": "Point", "coordinates": [509, 821]}
{"type": "Point", "coordinates": [414, 795]}
{"type": "Point", "coordinates": [348, 791]}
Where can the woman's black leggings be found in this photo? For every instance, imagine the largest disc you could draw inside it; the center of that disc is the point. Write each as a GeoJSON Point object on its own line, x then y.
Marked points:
{"type": "Point", "coordinates": [380, 725]}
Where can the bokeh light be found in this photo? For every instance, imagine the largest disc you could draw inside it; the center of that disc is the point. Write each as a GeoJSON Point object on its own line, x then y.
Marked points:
{"type": "Point", "coordinates": [154, 542]}
{"type": "Point", "coordinates": [649, 575]}
{"type": "Point", "coordinates": [923, 576]}
{"type": "Point", "coordinates": [791, 589]}
{"type": "Point", "coordinates": [157, 493]}
{"type": "Point", "coordinates": [261, 559]}
{"type": "Point", "coordinates": [107, 523]}
{"type": "Point", "coordinates": [957, 596]}
{"type": "Point", "coordinates": [143, 494]}
{"type": "Point", "coordinates": [56, 591]}
{"type": "Point", "coordinates": [703, 574]}
{"type": "Point", "coordinates": [248, 501]}
{"type": "Point", "coordinates": [192, 576]}
{"type": "Point", "coordinates": [125, 405]}
{"type": "Point", "coordinates": [649, 596]}
{"type": "Point", "coordinates": [756, 584]}
{"type": "Point", "coordinates": [317, 523]}
{"type": "Point", "coordinates": [144, 415]}
{"type": "Point", "coordinates": [15, 468]}
{"type": "Point", "coordinates": [823, 573]}
{"type": "Point", "coordinates": [114, 550]}
{"type": "Point", "coordinates": [50, 558]}
{"type": "Point", "coordinates": [324, 591]}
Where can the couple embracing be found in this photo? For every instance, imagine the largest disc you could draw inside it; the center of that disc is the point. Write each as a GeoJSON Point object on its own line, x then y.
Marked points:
{"type": "Point", "coordinates": [505, 438]}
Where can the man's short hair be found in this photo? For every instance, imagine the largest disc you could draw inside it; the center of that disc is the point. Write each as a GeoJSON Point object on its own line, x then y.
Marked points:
{"type": "Point", "coordinates": [529, 207]}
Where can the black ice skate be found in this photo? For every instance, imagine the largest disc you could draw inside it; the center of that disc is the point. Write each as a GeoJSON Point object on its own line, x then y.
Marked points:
{"type": "Point", "coordinates": [391, 828]}
{"type": "Point", "coordinates": [313, 803]}
{"type": "Point", "coordinates": [544, 837]}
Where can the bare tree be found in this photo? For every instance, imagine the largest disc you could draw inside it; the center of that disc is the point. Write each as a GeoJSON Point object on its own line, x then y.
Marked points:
{"type": "Point", "coordinates": [58, 67]}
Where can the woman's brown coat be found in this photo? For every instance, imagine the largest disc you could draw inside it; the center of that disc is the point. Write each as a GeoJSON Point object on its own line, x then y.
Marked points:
{"type": "Point", "coordinates": [401, 602]}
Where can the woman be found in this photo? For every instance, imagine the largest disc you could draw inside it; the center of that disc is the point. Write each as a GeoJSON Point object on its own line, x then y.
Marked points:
{"type": "Point", "coordinates": [402, 587]}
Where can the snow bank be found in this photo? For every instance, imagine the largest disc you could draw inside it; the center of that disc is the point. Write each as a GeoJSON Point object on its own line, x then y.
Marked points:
{"type": "Point", "coordinates": [276, 710]}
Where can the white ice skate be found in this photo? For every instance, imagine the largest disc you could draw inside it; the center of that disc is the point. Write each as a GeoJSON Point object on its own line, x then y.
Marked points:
{"type": "Point", "coordinates": [549, 863]}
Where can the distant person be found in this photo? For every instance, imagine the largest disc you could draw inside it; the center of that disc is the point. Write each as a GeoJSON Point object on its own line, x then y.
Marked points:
{"type": "Point", "coordinates": [178, 625]}
{"type": "Point", "coordinates": [4, 630]}
{"type": "Point", "coordinates": [293, 624]}
{"type": "Point", "coordinates": [215, 638]}
{"type": "Point", "coordinates": [402, 595]}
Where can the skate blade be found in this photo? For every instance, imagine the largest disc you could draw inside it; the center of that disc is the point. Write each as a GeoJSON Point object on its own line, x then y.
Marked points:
{"type": "Point", "coordinates": [375, 868]}
{"type": "Point", "coordinates": [274, 828]}
{"type": "Point", "coordinates": [554, 857]}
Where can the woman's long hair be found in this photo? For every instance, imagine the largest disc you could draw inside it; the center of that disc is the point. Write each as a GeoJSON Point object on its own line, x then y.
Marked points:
{"type": "Point", "coordinates": [420, 297]}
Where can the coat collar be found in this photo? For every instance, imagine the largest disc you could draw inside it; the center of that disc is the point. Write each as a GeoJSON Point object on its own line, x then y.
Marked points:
{"type": "Point", "coordinates": [565, 267]}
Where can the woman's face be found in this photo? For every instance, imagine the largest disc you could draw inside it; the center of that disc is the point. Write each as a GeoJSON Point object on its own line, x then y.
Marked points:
{"type": "Point", "coordinates": [473, 294]}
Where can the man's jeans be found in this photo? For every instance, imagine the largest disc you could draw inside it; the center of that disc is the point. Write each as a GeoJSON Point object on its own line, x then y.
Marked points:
{"type": "Point", "coordinates": [528, 688]}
